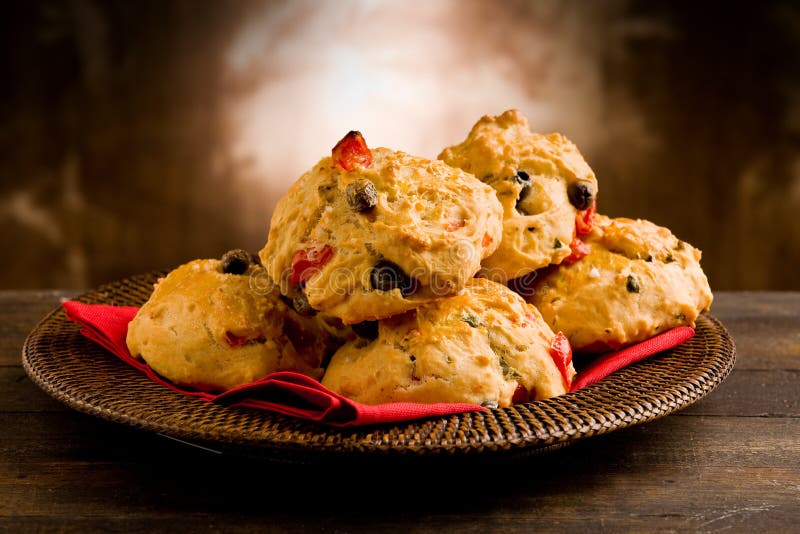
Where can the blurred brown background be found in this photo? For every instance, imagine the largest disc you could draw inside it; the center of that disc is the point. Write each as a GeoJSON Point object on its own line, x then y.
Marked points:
{"type": "Point", "coordinates": [139, 135]}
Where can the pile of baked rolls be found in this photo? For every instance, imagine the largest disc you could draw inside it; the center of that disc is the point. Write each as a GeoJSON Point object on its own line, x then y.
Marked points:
{"type": "Point", "coordinates": [392, 277]}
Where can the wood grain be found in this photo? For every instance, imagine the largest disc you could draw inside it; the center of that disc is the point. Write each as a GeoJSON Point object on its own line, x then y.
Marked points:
{"type": "Point", "coordinates": [764, 326]}
{"type": "Point", "coordinates": [19, 313]}
{"type": "Point", "coordinates": [729, 462]}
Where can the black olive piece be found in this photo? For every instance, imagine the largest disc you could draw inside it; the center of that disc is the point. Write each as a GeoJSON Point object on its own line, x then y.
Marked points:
{"type": "Point", "coordinates": [366, 329]}
{"type": "Point", "coordinates": [632, 285]}
{"type": "Point", "coordinates": [301, 305]}
{"type": "Point", "coordinates": [523, 194]}
{"type": "Point", "coordinates": [522, 177]}
{"type": "Point", "coordinates": [286, 300]}
{"type": "Point", "coordinates": [361, 195]}
{"type": "Point", "coordinates": [580, 195]}
{"type": "Point", "coordinates": [387, 275]}
{"type": "Point", "coordinates": [236, 261]}
{"type": "Point", "coordinates": [490, 404]}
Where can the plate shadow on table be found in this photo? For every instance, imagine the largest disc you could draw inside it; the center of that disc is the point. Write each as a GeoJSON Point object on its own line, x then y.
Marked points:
{"type": "Point", "coordinates": [152, 471]}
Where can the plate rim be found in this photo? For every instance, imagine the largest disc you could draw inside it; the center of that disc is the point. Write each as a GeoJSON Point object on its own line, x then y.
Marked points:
{"type": "Point", "coordinates": [284, 445]}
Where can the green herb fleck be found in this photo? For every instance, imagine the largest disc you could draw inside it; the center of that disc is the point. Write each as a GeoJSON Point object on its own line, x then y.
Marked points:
{"type": "Point", "coordinates": [508, 371]}
{"type": "Point", "coordinates": [501, 352]}
{"type": "Point", "coordinates": [632, 285]}
{"type": "Point", "coordinates": [497, 349]}
{"type": "Point", "coordinates": [402, 346]}
{"type": "Point", "coordinates": [371, 249]}
{"type": "Point", "coordinates": [471, 320]}
{"type": "Point", "coordinates": [557, 244]}
{"type": "Point", "coordinates": [448, 359]}
{"type": "Point", "coordinates": [327, 192]}
{"type": "Point", "coordinates": [680, 317]}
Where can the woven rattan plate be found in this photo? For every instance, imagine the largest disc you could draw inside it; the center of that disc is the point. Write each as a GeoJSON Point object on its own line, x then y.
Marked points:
{"type": "Point", "coordinates": [85, 377]}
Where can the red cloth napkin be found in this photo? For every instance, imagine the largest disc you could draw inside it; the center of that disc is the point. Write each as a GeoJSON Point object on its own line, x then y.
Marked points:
{"type": "Point", "coordinates": [300, 396]}
{"type": "Point", "coordinates": [614, 361]}
{"type": "Point", "coordinates": [283, 392]}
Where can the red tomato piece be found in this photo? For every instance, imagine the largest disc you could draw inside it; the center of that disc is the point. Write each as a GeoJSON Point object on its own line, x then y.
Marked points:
{"type": "Point", "coordinates": [307, 262]}
{"type": "Point", "coordinates": [579, 251]}
{"type": "Point", "coordinates": [487, 240]}
{"type": "Point", "coordinates": [584, 220]}
{"type": "Point", "coordinates": [351, 151]}
{"type": "Point", "coordinates": [561, 352]}
{"type": "Point", "coordinates": [455, 224]}
{"type": "Point", "coordinates": [240, 341]}
{"type": "Point", "coordinates": [234, 340]}
{"type": "Point", "coordinates": [520, 395]}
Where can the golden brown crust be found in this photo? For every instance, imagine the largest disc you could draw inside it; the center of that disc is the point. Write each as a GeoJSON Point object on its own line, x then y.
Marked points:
{"type": "Point", "coordinates": [433, 221]}
{"type": "Point", "coordinates": [638, 280]}
{"type": "Point", "coordinates": [476, 346]}
{"type": "Point", "coordinates": [537, 229]}
{"type": "Point", "coordinates": [214, 331]}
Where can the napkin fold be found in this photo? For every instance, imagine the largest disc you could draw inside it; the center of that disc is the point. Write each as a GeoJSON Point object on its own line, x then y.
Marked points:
{"type": "Point", "coordinates": [301, 396]}
{"type": "Point", "coordinates": [284, 392]}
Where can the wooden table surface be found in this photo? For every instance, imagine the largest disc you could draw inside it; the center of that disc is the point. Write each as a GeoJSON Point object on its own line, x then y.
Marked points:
{"type": "Point", "coordinates": [729, 462]}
